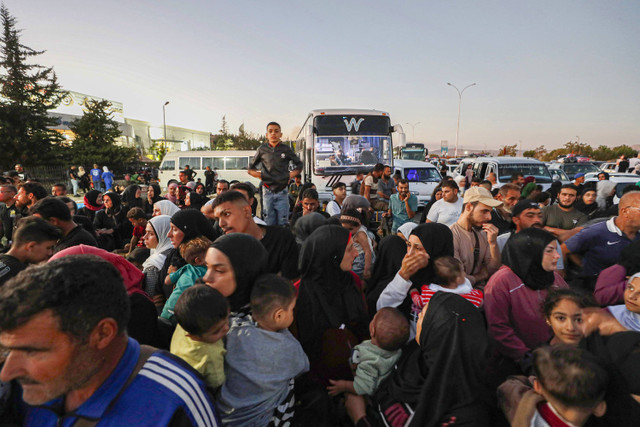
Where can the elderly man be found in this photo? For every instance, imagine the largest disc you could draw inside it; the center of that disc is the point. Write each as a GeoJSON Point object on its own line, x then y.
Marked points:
{"type": "Point", "coordinates": [474, 237]}
{"type": "Point", "coordinates": [64, 327]}
{"type": "Point", "coordinates": [509, 195]}
{"type": "Point", "coordinates": [599, 246]}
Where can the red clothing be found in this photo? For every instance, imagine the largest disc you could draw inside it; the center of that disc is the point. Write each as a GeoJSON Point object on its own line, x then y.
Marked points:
{"type": "Point", "coordinates": [514, 313]}
{"type": "Point", "coordinates": [610, 285]}
{"type": "Point", "coordinates": [474, 297]}
{"type": "Point", "coordinates": [139, 232]}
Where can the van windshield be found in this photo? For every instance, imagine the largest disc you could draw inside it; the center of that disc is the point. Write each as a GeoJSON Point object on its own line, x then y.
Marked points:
{"type": "Point", "coordinates": [422, 174]}
{"type": "Point", "coordinates": [539, 171]}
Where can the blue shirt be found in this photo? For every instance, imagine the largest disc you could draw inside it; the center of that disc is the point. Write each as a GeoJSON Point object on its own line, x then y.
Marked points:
{"type": "Point", "coordinates": [601, 246]}
{"type": "Point", "coordinates": [96, 174]}
{"type": "Point", "coordinates": [399, 210]}
{"type": "Point", "coordinates": [164, 386]}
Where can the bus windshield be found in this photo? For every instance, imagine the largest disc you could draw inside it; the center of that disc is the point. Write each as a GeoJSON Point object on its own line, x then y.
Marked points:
{"type": "Point", "coordinates": [347, 142]}
{"type": "Point", "coordinates": [413, 154]}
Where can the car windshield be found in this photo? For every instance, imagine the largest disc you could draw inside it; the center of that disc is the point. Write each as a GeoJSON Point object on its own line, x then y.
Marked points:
{"type": "Point", "coordinates": [539, 171]}
{"type": "Point", "coordinates": [413, 154]}
{"type": "Point", "coordinates": [422, 174]}
{"type": "Point", "coordinates": [575, 168]}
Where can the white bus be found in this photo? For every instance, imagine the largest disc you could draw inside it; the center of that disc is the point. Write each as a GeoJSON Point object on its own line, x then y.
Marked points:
{"type": "Point", "coordinates": [230, 165]}
{"type": "Point", "coordinates": [335, 144]}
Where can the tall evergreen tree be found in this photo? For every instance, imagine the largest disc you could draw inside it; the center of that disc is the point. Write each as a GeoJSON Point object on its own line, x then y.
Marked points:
{"type": "Point", "coordinates": [96, 134]}
{"type": "Point", "coordinates": [28, 92]}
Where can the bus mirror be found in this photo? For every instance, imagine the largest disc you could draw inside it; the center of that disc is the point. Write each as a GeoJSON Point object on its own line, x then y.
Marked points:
{"type": "Point", "coordinates": [401, 142]}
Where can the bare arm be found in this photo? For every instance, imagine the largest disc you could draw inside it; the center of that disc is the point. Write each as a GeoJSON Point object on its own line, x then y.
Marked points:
{"type": "Point", "coordinates": [255, 173]}
{"type": "Point", "coordinates": [361, 239]}
{"type": "Point", "coordinates": [340, 386]}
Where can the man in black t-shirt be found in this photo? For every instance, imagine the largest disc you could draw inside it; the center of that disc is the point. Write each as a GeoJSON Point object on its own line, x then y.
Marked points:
{"type": "Point", "coordinates": [33, 242]}
{"type": "Point", "coordinates": [233, 212]}
{"type": "Point", "coordinates": [57, 213]}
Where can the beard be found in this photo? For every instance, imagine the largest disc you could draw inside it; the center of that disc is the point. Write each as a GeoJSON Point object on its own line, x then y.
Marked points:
{"type": "Point", "coordinates": [563, 206]}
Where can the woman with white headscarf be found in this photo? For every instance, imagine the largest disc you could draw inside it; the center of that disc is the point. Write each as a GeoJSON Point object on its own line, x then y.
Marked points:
{"type": "Point", "coordinates": [164, 207]}
{"type": "Point", "coordinates": [156, 239]}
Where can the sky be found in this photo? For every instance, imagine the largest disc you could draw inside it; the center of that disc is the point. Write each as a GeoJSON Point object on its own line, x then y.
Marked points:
{"type": "Point", "coordinates": [546, 71]}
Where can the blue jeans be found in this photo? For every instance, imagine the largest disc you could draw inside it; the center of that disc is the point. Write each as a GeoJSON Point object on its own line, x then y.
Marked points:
{"type": "Point", "coordinates": [74, 184]}
{"type": "Point", "coordinates": [275, 207]}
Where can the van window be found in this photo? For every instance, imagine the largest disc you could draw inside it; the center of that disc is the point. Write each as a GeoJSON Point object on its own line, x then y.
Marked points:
{"type": "Point", "coordinates": [193, 162]}
{"type": "Point", "coordinates": [539, 171]}
{"type": "Point", "coordinates": [168, 165]}
{"type": "Point", "coordinates": [236, 163]}
{"type": "Point", "coordinates": [213, 162]}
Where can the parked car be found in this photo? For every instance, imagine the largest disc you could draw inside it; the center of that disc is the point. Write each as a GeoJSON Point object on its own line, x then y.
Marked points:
{"type": "Point", "coordinates": [609, 167]}
{"type": "Point", "coordinates": [621, 180]}
{"type": "Point", "coordinates": [571, 169]}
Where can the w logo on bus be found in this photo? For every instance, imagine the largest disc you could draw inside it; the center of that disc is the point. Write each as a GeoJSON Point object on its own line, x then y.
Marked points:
{"type": "Point", "coordinates": [353, 124]}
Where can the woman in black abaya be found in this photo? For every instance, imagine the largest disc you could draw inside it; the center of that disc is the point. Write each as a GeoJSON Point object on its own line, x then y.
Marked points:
{"type": "Point", "coordinates": [440, 377]}
{"type": "Point", "coordinates": [391, 250]}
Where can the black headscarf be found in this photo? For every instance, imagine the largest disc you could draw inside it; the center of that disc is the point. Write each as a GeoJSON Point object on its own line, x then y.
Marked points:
{"type": "Point", "coordinates": [129, 198]}
{"type": "Point", "coordinates": [115, 200]}
{"type": "Point", "coordinates": [630, 258]}
{"type": "Point", "coordinates": [328, 296]}
{"type": "Point", "coordinates": [437, 240]}
{"type": "Point", "coordinates": [249, 260]}
{"type": "Point", "coordinates": [391, 251]}
{"type": "Point", "coordinates": [193, 224]}
{"type": "Point", "coordinates": [523, 255]}
{"type": "Point", "coordinates": [156, 193]}
{"type": "Point", "coordinates": [444, 375]}
{"type": "Point", "coordinates": [90, 200]}
{"type": "Point", "coordinates": [196, 200]}
{"type": "Point", "coordinates": [308, 224]}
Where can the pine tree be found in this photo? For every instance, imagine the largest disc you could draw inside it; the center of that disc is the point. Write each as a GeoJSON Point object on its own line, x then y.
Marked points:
{"type": "Point", "coordinates": [28, 92]}
{"type": "Point", "coordinates": [96, 134]}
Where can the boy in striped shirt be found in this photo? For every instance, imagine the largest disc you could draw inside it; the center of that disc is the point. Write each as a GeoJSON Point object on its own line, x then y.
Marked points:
{"type": "Point", "coordinates": [450, 277]}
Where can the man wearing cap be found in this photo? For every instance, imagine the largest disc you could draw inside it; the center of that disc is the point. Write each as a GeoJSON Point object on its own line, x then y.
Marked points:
{"type": "Point", "coordinates": [578, 181]}
{"type": "Point", "coordinates": [564, 220]}
{"type": "Point", "coordinates": [474, 237]}
{"type": "Point", "coordinates": [525, 214]}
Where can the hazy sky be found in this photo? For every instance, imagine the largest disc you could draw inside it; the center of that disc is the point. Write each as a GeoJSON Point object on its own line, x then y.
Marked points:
{"type": "Point", "coordinates": [547, 71]}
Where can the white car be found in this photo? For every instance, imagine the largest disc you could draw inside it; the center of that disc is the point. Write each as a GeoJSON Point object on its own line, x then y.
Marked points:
{"type": "Point", "coordinates": [423, 178]}
{"type": "Point", "coordinates": [622, 180]}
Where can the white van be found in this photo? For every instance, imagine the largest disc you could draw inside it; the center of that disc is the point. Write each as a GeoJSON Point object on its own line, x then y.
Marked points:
{"type": "Point", "coordinates": [506, 166]}
{"type": "Point", "coordinates": [423, 177]}
{"type": "Point", "coordinates": [230, 165]}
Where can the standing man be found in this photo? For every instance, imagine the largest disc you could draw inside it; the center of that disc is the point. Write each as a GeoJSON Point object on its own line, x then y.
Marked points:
{"type": "Point", "coordinates": [64, 327]}
{"type": "Point", "coordinates": [371, 189]}
{"type": "Point", "coordinates": [209, 179]}
{"type": "Point", "coordinates": [564, 220]}
{"type": "Point", "coordinates": [509, 195]}
{"type": "Point", "coordinates": [22, 174]}
{"type": "Point", "coordinates": [402, 205]}
{"type": "Point", "coordinates": [446, 210]}
{"type": "Point", "coordinates": [339, 194]}
{"type": "Point", "coordinates": [474, 237]}
{"type": "Point", "coordinates": [386, 186]}
{"type": "Point", "coordinates": [355, 184]}
{"type": "Point", "coordinates": [274, 158]}
{"type": "Point", "coordinates": [96, 177]}
{"type": "Point", "coordinates": [73, 178]}
{"type": "Point", "coordinates": [8, 213]}
{"type": "Point", "coordinates": [190, 172]}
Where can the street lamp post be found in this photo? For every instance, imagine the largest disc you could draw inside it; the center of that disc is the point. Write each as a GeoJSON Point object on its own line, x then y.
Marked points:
{"type": "Point", "coordinates": [413, 129]}
{"type": "Point", "coordinates": [460, 92]}
{"type": "Point", "coordinates": [164, 122]}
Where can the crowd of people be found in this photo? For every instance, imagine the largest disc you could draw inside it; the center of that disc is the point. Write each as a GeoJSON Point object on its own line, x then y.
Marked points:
{"type": "Point", "coordinates": [492, 306]}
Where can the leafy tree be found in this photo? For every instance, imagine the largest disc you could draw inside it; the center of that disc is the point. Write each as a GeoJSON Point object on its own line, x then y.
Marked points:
{"type": "Point", "coordinates": [159, 149]}
{"type": "Point", "coordinates": [508, 150]}
{"type": "Point", "coordinates": [96, 134]}
{"type": "Point", "coordinates": [28, 91]}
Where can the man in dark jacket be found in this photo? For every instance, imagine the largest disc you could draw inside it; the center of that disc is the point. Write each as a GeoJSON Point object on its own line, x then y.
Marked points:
{"type": "Point", "coordinates": [274, 158]}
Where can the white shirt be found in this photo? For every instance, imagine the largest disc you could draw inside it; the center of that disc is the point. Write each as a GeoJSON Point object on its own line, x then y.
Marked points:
{"type": "Point", "coordinates": [445, 213]}
{"type": "Point", "coordinates": [333, 208]}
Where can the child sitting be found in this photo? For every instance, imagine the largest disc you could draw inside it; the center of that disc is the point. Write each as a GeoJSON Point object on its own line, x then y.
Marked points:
{"type": "Point", "coordinates": [451, 278]}
{"type": "Point", "coordinates": [263, 358]}
{"type": "Point", "coordinates": [572, 383]}
{"type": "Point", "coordinates": [203, 320]}
{"type": "Point", "coordinates": [375, 358]}
{"type": "Point", "coordinates": [193, 252]}
{"type": "Point", "coordinates": [138, 219]}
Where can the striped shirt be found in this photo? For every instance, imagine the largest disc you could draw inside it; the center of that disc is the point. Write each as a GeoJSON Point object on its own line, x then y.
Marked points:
{"type": "Point", "coordinates": [165, 391]}
{"type": "Point", "coordinates": [474, 296]}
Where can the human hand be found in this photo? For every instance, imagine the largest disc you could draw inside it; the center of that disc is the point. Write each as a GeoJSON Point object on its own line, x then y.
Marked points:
{"type": "Point", "coordinates": [172, 269]}
{"type": "Point", "coordinates": [412, 262]}
{"type": "Point", "coordinates": [599, 319]}
{"type": "Point", "coordinates": [337, 387]}
{"type": "Point", "coordinates": [492, 232]}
